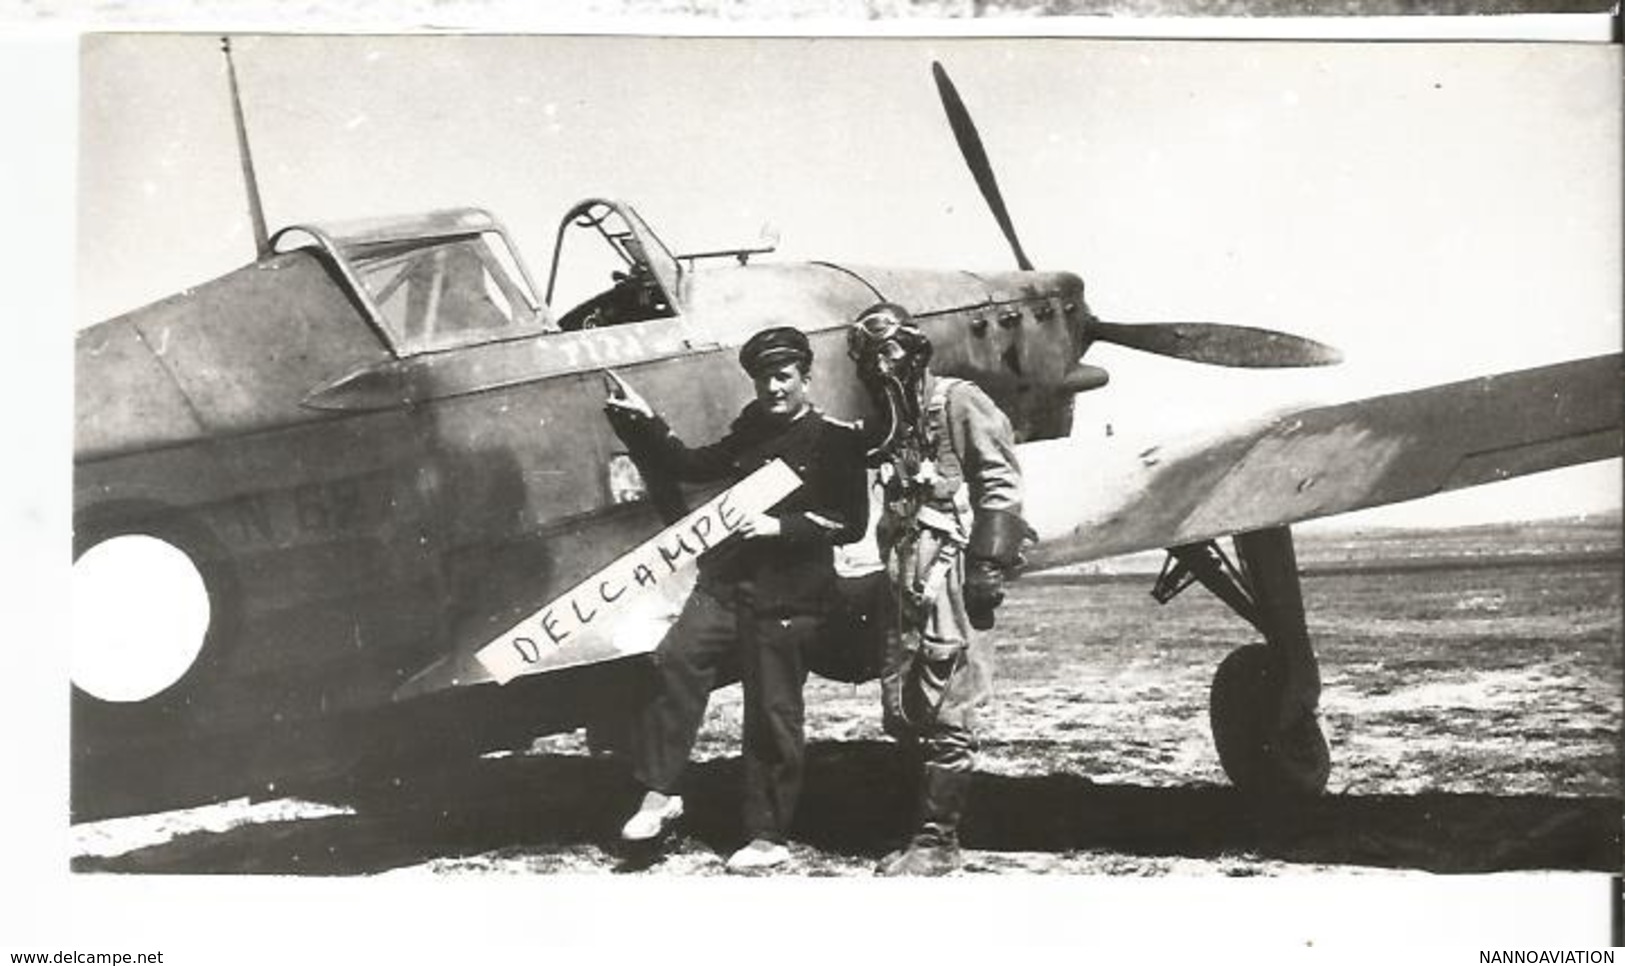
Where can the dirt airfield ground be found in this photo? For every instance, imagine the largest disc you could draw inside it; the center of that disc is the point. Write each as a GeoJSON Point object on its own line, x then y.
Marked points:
{"type": "Point", "coordinates": [1472, 700]}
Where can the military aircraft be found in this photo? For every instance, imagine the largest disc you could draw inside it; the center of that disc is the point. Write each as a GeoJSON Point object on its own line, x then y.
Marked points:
{"type": "Point", "coordinates": [357, 461]}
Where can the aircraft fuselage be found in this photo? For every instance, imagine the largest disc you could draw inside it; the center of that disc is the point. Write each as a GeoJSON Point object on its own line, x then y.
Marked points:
{"type": "Point", "coordinates": [356, 513]}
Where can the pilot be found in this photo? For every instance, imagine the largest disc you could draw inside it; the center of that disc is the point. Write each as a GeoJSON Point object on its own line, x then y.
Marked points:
{"type": "Point", "coordinates": [950, 531]}
{"type": "Point", "coordinates": [759, 595]}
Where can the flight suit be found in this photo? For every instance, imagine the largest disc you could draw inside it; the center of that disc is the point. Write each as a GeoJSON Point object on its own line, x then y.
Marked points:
{"type": "Point", "coordinates": [961, 512]}
{"type": "Point", "coordinates": [755, 606]}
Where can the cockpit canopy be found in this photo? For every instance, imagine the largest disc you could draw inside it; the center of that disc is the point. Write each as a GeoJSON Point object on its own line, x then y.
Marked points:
{"type": "Point", "coordinates": [451, 279]}
{"type": "Point", "coordinates": [432, 282]}
{"type": "Point", "coordinates": [643, 274]}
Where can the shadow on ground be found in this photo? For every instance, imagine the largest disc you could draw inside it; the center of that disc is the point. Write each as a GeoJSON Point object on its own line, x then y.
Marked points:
{"type": "Point", "coordinates": [856, 804]}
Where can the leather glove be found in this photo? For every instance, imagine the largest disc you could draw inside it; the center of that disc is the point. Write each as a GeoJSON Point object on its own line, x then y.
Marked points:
{"type": "Point", "coordinates": [984, 592]}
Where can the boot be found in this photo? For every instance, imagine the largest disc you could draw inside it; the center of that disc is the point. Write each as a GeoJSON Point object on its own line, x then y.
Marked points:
{"type": "Point", "coordinates": [934, 849]}
{"type": "Point", "coordinates": [931, 852]}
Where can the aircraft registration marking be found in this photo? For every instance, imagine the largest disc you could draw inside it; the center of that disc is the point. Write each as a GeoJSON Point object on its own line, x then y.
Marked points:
{"type": "Point", "coordinates": [587, 622]}
{"type": "Point", "coordinates": [615, 345]}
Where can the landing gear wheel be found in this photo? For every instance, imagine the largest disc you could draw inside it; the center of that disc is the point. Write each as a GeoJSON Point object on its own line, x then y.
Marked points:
{"type": "Point", "coordinates": [1244, 708]}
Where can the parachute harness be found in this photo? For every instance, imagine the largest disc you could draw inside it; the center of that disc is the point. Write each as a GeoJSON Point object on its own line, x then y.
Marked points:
{"type": "Point", "coordinates": [892, 355]}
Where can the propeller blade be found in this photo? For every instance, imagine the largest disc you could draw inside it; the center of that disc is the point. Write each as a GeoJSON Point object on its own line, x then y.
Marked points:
{"type": "Point", "coordinates": [1218, 345]}
{"type": "Point", "coordinates": [970, 145]}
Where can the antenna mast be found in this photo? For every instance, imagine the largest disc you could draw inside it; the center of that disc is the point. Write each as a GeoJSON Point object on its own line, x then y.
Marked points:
{"type": "Point", "coordinates": [256, 211]}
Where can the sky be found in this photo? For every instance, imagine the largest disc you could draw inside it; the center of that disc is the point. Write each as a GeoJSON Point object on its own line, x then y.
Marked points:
{"type": "Point", "coordinates": [1435, 211]}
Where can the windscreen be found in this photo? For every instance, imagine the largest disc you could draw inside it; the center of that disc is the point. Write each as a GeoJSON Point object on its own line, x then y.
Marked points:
{"type": "Point", "coordinates": [443, 293]}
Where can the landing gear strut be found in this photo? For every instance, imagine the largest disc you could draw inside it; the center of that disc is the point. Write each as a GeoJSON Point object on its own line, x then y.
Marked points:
{"type": "Point", "coordinates": [1262, 707]}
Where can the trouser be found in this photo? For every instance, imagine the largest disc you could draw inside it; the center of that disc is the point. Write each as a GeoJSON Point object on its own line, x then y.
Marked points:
{"type": "Point", "coordinates": [708, 639]}
{"type": "Point", "coordinates": [937, 672]}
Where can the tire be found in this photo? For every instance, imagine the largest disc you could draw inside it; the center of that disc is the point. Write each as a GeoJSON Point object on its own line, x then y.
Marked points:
{"type": "Point", "coordinates": [1243, 711]}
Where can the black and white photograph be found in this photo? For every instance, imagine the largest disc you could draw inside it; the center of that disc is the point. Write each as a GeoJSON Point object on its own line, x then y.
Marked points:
{"type": "Point", "coordinates": [501, 461]}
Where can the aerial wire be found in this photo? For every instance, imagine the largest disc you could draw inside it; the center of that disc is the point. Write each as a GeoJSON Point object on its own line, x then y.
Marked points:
{"type": "Point", "coordinates": [256, 210]}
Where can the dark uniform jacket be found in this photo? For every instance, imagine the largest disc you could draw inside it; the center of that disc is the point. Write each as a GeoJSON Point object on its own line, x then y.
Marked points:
{"type": "Point", "coordinates": [793, 573]}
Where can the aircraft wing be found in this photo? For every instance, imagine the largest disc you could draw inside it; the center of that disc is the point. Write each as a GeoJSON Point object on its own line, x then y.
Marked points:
{"type": "Point", "coordinates": [1092, 498]}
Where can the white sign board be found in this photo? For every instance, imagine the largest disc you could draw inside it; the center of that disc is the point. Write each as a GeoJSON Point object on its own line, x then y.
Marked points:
{"type": "Point", "coordinates": [626, 607]}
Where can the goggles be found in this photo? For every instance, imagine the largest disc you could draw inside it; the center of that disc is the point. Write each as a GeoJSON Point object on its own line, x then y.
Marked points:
{"type": "Point", "coordinates": [887, 338]}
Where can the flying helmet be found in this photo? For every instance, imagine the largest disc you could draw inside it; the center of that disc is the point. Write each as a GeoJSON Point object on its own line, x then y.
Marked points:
{"type": "Point", "coordinates": [885, 341]}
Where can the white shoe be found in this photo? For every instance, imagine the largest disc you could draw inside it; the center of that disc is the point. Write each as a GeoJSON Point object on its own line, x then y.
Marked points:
{"type": "Point", "coordinates": [654, 816]}
{"type": "Point", "coordinates": [758, 855]}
